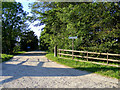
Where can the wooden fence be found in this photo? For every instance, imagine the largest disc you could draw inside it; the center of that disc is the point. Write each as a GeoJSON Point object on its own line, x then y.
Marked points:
{"type": "Point", "coordinates": [87, 57]}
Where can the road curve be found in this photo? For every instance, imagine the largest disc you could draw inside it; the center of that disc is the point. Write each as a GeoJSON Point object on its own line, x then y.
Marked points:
{"type": "Point", "coordinates": [33, 70]}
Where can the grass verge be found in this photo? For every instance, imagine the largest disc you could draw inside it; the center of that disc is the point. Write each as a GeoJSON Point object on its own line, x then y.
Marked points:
{"type": "Point", "coordinates": [104, 62]}
{"type": "Point", "coordinates": [108, 71]}
{"type": "Point", "coordinates": [6, 57]}
{"type": "Point", "coordinates": [19, 52]}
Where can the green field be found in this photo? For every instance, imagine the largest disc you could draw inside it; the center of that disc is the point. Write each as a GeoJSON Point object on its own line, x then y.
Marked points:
{"type": "Point", "coordinates": [108, 71]}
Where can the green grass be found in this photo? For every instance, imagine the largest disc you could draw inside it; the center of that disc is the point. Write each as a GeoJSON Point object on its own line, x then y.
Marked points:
{"type": "Point", "coordinates": [6, 57]}
{"type": "Point", "coordinates": [108, 71]}
{"type": "Point", "coordinates": [19, 52]}
{"type": "Point", "coordinates": [104, 62]}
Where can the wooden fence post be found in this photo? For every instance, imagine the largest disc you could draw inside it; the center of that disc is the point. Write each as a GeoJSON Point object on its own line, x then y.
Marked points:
{"type": "Point", "coordinates": [72, 54]}
{"type": "Point", "coordinates": [55, 51]}
{"type": "Point", "coordinates": [59, 52]}
{"type": "Point", "coordinates": [107, 57]}
{"type": "Point", "coordinates": [87, 55]}
{"type": "Point", "coordinates": [72, 48]}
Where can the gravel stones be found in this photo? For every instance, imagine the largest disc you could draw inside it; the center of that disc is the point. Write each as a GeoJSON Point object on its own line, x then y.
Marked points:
{"type": "Point", "coordinates": [33, 70]}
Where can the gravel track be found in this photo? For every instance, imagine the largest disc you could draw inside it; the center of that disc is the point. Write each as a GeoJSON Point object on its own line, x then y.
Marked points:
{"type": "Point", "coordinates": [33, 70]}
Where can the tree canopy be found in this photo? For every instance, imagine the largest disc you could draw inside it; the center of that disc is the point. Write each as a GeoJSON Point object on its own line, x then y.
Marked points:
{"type": "Point", "coordinates": [97, 25]}
{"type": "Point", "coordinates": [13, 25]}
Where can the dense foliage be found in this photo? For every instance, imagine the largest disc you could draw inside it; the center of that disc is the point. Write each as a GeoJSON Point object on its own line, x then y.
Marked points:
{"type": "Point", "coordinates": [13, 26]}
{"type": "Point", "coordinates": [29, 39]}
{"type": "Point", "coordinates": [97, 25]}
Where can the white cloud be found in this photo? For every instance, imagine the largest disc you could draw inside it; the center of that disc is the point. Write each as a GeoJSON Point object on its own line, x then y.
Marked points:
{"type": "Point", "coordinates": [37, 29]}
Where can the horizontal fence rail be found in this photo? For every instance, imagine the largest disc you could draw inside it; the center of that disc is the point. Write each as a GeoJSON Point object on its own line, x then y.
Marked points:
{"type": "Point", "coordinates": [90, 52]}
{"type": "Point", "coordinates": [88, 57]}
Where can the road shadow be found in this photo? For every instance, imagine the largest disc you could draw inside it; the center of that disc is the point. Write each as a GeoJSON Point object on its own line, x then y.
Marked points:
{"type": "Point", "coordinates": [35, 53]}
{"type": "Point", "coordinates": [20, 70]}
{"type": "Point", "coordinates": [17, 68]}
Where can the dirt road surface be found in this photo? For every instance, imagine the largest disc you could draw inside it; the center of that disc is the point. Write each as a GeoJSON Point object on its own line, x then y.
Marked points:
{"type": "Point", "coordinates": [34, 70]}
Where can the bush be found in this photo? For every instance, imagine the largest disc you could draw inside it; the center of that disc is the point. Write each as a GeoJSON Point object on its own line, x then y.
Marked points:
{"type": "Point", "coordinates": [16, 49]}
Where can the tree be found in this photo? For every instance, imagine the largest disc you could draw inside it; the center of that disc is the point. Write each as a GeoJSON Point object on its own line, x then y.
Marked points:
{"type": "Point", "coordinates": [96, 25]}
{"type": "Point", "coordinates": [29, 39]}
{"type": "Point", "coordinates": [13, 23]}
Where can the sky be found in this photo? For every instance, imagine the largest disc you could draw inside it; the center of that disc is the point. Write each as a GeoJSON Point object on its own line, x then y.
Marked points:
{"type": "Point", "coordinates": [25, 3]}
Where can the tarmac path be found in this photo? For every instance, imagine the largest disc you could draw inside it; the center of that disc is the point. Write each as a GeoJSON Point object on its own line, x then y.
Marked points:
{"type": "Point", "coordinates": [34, 70]}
